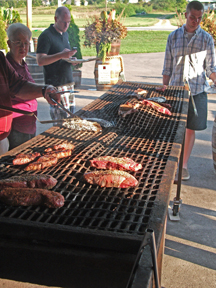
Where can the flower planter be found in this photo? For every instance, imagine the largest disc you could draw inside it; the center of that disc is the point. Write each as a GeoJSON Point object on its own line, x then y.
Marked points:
{"type": "Point", "coordinates": [115, 48]}
{"type": "Point", "coordinates": [115, 64]}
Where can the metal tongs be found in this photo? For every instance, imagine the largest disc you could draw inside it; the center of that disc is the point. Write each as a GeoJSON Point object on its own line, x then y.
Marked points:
{"type": "Point", "coordinates": [63, 108]}
{"type": "Point", "coordinates": [192, 99]}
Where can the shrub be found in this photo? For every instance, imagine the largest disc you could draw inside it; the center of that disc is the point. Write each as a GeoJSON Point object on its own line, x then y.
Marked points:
{"type": "Point", "coordinates": [3, 35]}
{"type": "Point", "coordinates": [74, 39]}
{"type": "Point", "coordinates": [208, 24]}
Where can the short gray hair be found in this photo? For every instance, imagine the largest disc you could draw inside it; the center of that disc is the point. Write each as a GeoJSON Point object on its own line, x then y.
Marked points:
{"type": "Point", "coordinates": [18, 28]}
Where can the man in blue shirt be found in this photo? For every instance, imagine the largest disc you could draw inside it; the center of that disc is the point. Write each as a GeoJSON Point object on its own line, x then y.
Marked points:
{"type": "Point", "coordinates": [190, 57]}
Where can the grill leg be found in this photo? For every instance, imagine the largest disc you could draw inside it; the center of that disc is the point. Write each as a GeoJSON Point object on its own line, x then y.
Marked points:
{"type": "Point", "coordinates": [177, 201]}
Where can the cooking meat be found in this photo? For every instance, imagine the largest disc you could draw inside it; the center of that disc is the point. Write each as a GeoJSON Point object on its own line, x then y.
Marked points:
{"type": "Point", "coordinates": [61, 146]}
{"type": "Point", "coordinates": [31, 181]}
{"type": "Point", "coordinates": [156, 107]}
{"type": "Point", "coordinates": [31, 196]}
{"type": "Point", "coordinates": [59, 153]}
{"type": "Point", "coordinates": [111, 178]}
{"type": "Point", "coordinates": [22, 158]}
{"type": "Point", "coordinates": [115, 163]}
{"type": "Point", "coordinates": [128, 108]}
{"type": "Point", "coordinates": [43, 162]}
{"type": "Point", "coordinates": [140, 91]}
{"type": "Point", "coordinates": [160, 99]}
{"type": "Point", "coordinates": [82, 125]}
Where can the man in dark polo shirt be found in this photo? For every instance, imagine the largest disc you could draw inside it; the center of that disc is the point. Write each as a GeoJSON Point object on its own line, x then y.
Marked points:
{"type": "Point", "coordinates": [53, 46]}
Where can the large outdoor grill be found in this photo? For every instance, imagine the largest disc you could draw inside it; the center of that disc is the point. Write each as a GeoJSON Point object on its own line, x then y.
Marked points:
{"type": "Point", "coordinates": [99, 229]}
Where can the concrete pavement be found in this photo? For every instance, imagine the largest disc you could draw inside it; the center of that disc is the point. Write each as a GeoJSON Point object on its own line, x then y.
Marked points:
{"type": "Point", "coordinates": [190, 246]}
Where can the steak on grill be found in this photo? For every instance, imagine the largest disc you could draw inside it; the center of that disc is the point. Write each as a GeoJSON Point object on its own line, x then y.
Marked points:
{"type": "Point", "coordinates": [31, 181]}
{"type": "Point", "coordinates": [60, 153]}
{"type": "Point", "coordinates": [22, 158]}
{"type": "Point", "coordinates": [31, 196]}
{"type": "Point", "coordinates": [115, 163]}
{"type": "Point", "coordinates": [128, 108]}
{"type": "Point", "coordinates": [156, 107]}
{"type": "Point", "coordinates": [43, 162]}
{"type": "Point", "coordinates": [111, 178]}
{"type": "Point", "coordinates": [61, 146]}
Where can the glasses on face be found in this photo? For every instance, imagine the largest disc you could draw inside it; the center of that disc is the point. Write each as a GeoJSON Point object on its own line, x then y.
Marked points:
{"type": "Point", "coordinates": [20, 43]}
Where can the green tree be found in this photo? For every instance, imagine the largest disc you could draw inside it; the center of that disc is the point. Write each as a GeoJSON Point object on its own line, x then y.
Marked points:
{"type": "Point", "coordinates": [168, 5]}
{"type": "Point", "coordinates": [74, 39]}
{"type": "Point", "coordinates": [3, 34]}
{"type": "Point", "coordinates": [181, 5]}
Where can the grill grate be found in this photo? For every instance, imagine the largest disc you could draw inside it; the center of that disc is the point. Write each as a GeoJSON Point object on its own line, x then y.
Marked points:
{"type": "Point", "coordinates": [147, 137]}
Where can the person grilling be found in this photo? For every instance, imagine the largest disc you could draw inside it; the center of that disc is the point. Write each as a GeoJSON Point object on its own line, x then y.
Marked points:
{"type": "Point", "coordinates": [53, 46]}
{"type": "Point", "coordinates": [13, 84]}
{"type": "Point", "coordinates": [190, 57]}
{"type": "Point", "coordinates": [23, 126]}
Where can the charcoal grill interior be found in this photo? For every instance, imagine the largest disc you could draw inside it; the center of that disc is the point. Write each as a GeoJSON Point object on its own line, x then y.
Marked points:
{"type": "Point", "coordinates": [106, 218]}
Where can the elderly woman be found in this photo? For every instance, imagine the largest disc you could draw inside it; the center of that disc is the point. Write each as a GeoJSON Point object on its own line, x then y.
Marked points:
{"type": "Point", "coordinates": [23, 126]}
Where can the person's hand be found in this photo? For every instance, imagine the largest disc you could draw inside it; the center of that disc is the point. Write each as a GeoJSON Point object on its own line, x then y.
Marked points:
{"type": "Point", "coordinates": [51, 90]}
{"type": "Point", "coordinates": [67, 53]}
{"type": "Point", "coordinates": [161, 88]}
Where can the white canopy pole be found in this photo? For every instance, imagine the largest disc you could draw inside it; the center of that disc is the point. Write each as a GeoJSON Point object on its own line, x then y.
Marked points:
{"type": "Point", "coordinates": [29, 21]}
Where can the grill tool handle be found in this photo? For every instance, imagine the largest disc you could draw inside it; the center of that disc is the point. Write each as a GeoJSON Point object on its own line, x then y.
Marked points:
{"type": "Point", "coordinates": [6, 108]}
{"type": "Point", "coordinates": [149, 239]}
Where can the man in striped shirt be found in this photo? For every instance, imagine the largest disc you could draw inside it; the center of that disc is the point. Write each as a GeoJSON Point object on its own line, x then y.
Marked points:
{"type": "Point", "coordinates": [190, 57]}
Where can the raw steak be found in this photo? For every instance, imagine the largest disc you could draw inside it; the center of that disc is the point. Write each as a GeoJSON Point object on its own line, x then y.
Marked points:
{"type": "Point", "coordinates": [115, 163]}
{"type": "Point", "coordinates": [31, 181]}
{"type": "Point", "coordinates": [111, 178]}
{"type": "Point", "coordinates": [31, 196]}
{"type": "Point", "coordinates": [156, 107]}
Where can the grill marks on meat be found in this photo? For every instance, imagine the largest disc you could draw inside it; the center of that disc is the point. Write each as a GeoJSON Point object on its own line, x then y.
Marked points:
{"type": "Point", "coordinates": [29, 181]}
{"type": "Point", "coordinates": [50, 158]}
{"type": "Point", "coordinates": [115, 163]}
{"type": "Point", "coordinates": [29, 196]}
{"type": "Point", "coordinates": [22, 158]}
{"type": "Point", "coordinates": [62, 146]}
{"type": "Point", "coordinates": [42, 163]}
{"type": "Point", "coordinates": [60, 153]}
{"type": "Point", "coordinates": [128, 108]}
{"type": "Point", "coordinates": [111, 178]}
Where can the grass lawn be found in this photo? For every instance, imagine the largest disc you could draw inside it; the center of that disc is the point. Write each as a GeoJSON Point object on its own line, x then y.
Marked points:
{"type": "Point", "coordinates": [135, 42]}
{"type": "Point", "coordinates": [43, 21]}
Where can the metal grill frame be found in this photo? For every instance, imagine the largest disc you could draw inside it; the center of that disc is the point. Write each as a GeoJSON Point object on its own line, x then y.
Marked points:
{"type": "Point", "coordinates": [113, 240]}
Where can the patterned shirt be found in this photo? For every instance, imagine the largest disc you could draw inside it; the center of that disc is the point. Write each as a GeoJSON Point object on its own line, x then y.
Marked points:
{"type": "Point", "coordinates": [192, 59]}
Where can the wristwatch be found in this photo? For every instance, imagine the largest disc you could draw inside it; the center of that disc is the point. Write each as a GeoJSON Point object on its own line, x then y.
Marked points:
{"type": "Point", "coordinates": [44, 90]}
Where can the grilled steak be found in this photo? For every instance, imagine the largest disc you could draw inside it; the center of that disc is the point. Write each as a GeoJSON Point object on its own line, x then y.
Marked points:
{"type": "Point", "coordinates": [113, 178]}
{"type": "Point", "coordinates": [31, 181]}
{"type": "Point", "coordinates": [128, 108]}
{"type": "Point", "coordinates": [31, 196]}
{"type": "Point", "coordinates": [59, 153]}
{"type": "Point", "coordinates": [43, 162]}
{"type": "Point", "coordinates": [114, 163]}
{"type": "Point", "coordinates": [156, 107]}
{"type": "Point", "coordinates": [22, 158]}
{"type": "Point", "coordinates": [62, 146]}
